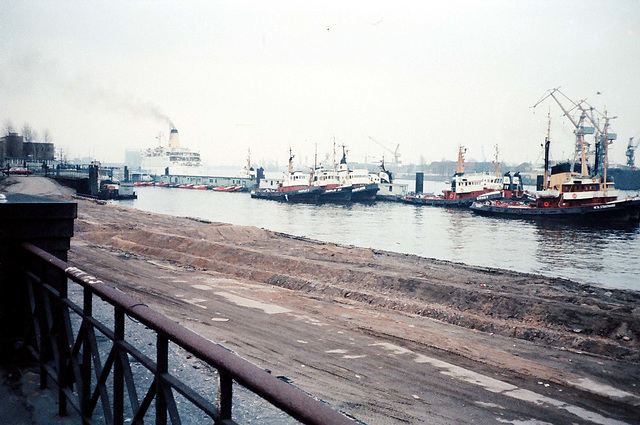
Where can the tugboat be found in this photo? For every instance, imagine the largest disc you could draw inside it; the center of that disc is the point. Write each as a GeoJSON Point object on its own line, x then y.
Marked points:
{"type": "Point", "coordinates": [569, 195]}
{"type": "Point", "coordinates": [329, 181]}
{"type": "Point", "coordinates": [389, 190]}
{"type": "Point", "coordinates": [332, 189]}
{"type": "Point", "coordinates": [362, 188]}
{"type": "Point", "coordinates": [465, 188]}
{"type": "Point", "coordinates": [294, 188]}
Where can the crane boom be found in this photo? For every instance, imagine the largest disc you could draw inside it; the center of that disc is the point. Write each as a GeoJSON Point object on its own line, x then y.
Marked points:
{"type": "Point", "coordinates": [581, 147]}
{"type": "Point", "coordinates": [395, 153]}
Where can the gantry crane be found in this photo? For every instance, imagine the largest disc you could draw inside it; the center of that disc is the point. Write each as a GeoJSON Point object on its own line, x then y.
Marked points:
{"type": "Point", "coordinates": [395, 153]}
{"type": "Point", "coordinates": [631, 152]}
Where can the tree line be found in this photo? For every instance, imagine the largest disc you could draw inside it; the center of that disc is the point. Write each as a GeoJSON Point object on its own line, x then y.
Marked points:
{"type": "Point", "coordinates": [29, 134]}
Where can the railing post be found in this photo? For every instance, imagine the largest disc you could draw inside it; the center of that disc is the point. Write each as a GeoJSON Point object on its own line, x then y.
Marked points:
{"type": "Point", "coordinates": [118, 372]}
{"type": "Point", "coordinates": [162, 367]}
{"type": "Point", "coordinates": [58, 280]}
{"type": "Point", "coordinates": [85, 396]}
{"type": "Point", "coordinates": [225, 395]}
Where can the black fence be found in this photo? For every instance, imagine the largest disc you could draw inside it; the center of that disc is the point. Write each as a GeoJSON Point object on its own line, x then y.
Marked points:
{"type": "Point", "coordinates": [94, 361]}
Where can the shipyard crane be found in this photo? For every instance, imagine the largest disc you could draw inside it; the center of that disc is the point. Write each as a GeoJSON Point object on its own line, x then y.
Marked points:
{"type": "Point", "coordinates": [599, 134]}
{"type": "Point", "coordinates": [395, 153]}
{"type": "Point", "coordinates": [631, 152]}
{"type": "Point", "coordinates": [580, 131]}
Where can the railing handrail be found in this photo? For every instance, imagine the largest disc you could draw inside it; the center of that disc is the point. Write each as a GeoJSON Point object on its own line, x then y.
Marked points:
{"type": "Point", "coordinates": [280, 394]}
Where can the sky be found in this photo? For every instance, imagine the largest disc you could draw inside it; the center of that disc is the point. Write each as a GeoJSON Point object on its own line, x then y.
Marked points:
{"type": "Point", "coordinates": [266, 76]}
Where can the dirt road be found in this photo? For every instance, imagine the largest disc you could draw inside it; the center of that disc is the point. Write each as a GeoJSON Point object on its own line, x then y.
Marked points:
{"type": "Point", "coordinates": [388, 338]}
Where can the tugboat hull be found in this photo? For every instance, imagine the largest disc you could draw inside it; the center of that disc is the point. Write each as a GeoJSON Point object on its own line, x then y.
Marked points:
{"type": "Point", "coordinates": [365, 192]}
{"type": "Point", "coordinates": [438, 201]}
{"type": "Point", "coordinates": [622, 211]}
{"type": "Point", "coordinates": [311, 194]}
{"type": "Point", "coordinates": [337, 194]}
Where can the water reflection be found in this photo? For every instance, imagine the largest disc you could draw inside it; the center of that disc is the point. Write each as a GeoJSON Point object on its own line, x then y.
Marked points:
{"type": "Point", "coordinates": [569, 247]}
{"type": "Point", "coordinates": [582, 250]}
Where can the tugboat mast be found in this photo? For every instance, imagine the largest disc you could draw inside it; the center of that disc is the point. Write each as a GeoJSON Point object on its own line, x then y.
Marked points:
{"type": "Point", "coordinates": [606, 153]}
{"type": "Point", "coordinates": [547, 142]}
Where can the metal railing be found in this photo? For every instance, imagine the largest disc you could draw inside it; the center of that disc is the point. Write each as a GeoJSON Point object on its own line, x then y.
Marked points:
{"type": "Point", "coordinates": [73, 360]}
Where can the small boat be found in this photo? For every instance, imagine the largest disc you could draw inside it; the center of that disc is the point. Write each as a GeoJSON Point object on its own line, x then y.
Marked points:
{"type": "Point", "coordinates": [465, 188]}
{"type": "Point", "coordinates": [295, 188]}
{"type": "Point", "coordinates": [231, 188]}
{"type": "Point", "coordinates": [388, 189]}
{"type": "Point", "coordinates": [574, 196]}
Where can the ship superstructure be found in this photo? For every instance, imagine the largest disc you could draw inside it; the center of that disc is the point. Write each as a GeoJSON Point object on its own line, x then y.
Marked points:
{"type": "Point", "coordinates": [177, 159]}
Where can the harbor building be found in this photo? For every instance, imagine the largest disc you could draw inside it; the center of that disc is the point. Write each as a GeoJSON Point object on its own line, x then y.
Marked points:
{"type": "Point", "coordinates": [14, 151]}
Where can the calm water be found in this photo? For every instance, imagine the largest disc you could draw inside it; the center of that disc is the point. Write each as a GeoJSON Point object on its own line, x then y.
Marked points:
{"type": "Point", "coordinates": [596, 255]}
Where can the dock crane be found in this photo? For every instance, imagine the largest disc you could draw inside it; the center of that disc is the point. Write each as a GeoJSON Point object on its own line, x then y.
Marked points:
{"type": "Point", "coordinates": [395, 153]}
{"type": "Point", "coordinates": [602, 134]}
{"type": "Point", "coordinates": [631, 152]}
{"type": "Point", "coordinates": [580, 129]}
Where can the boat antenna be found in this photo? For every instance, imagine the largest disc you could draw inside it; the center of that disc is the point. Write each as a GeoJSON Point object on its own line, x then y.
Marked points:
{"type": "Point", "coordinates": [547, 142]}
{"type": "Point", "coordinates": [334, 153]}
{"type": "Point", "coordinates": [315, 158]}
{"type": "Point", "coordinates": [497, 163]}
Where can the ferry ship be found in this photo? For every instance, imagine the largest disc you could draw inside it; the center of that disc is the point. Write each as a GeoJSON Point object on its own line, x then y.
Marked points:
{"type": "Point", "coordinates": [174, 158]}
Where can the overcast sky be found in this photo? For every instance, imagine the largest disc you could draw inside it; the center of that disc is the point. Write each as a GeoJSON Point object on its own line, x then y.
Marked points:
{"type": "Point", "coordinates": [105, 76]}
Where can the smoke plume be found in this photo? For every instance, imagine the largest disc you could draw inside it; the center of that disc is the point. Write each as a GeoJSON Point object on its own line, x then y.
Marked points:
{"type": "Point", "coordinates": [31, 71]}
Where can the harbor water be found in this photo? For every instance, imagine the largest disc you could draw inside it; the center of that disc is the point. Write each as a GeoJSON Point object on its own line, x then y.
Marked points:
{"type": "Point", "coordinates": [598, 255]}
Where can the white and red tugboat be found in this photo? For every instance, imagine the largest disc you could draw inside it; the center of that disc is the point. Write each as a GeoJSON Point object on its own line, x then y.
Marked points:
{"type": "Point", "coordinates": [296, 187]}
{"type": "Point", "coordinates": [465, 188]}
{"type": "Point", "coordinates": [571, 196]}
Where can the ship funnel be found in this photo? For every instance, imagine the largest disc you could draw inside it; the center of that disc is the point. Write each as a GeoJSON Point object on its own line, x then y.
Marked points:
{"type": "Point", "coordinates": [174, 139]}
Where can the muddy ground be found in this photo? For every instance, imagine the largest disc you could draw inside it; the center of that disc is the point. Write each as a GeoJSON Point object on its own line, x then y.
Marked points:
{"type": "Point", "coordinates": [377, 331]}
{"type": "Point", "coordinates": [556, 312]}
